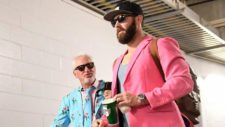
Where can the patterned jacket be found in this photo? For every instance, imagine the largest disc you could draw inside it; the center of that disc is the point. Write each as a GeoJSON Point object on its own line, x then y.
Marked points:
{"type": "Point", "coordinates": [71, 110]}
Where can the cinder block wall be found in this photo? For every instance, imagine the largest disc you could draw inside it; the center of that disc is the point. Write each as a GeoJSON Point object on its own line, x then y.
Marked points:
{"type": "Point", "coordinates": [38, 39]}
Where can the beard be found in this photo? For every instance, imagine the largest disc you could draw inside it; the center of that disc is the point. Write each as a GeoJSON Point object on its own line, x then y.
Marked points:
{"type": "Point", "coordinates": [89, 80]}
{"type": "Point", "coordinates": [125, 38]}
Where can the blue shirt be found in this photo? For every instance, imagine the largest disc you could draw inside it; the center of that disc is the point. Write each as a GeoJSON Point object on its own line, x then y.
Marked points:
{"type": "Point", "coordinates": [121, 76]}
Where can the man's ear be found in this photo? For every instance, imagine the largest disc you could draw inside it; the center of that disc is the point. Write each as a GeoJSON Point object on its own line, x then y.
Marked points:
{"type": "Point", "coordinates": [75, 74]}
{"type": "Point", "coordinates": [139, 20]}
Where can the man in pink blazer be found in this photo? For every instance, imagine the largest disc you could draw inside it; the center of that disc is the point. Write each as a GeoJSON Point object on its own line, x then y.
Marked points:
{"type": "Point", "coordinates": [137, 82]}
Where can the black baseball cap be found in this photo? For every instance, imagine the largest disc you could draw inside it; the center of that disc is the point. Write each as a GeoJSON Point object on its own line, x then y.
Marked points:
{"type": "Point", "coordinates": [126, 7]}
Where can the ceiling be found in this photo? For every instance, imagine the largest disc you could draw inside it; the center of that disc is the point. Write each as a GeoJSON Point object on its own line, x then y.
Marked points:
{"type": "Point", "coordinates": [173, 18]}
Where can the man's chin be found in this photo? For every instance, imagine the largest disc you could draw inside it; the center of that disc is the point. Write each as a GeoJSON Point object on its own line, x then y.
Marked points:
{"type": "Point", "coordinates": [89, 80]}
{"type": "Point", "coordinates": [120, 34]}
{"type": "Point", "coordinates": [121, 41]}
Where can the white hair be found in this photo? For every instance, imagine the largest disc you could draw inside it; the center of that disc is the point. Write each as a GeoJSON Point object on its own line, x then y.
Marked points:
{"type": "Point", "coordinates": [78, 56]}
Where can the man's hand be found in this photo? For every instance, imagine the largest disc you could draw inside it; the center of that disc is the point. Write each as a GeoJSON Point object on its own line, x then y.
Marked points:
{"type": "Point", "coordinates": [127, 99]}
{"type": "Point", "coordinates": [99, 123]}
{"type": "Point", "coordinates": [107, 94]}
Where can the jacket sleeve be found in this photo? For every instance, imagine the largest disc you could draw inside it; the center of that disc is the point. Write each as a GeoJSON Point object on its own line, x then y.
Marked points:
{"type": "Point", "coordinates": [176, 70]}
{"type": "Point", "coordinates": [62, 118]}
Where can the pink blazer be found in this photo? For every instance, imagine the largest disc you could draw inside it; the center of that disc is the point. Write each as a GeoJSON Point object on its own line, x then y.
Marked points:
{"type": "Point", "coordinates": [142, 76]}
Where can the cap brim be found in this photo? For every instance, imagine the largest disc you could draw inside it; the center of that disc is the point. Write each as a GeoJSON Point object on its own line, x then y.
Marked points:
{"type": "Point", "coordinates": [109, 16]}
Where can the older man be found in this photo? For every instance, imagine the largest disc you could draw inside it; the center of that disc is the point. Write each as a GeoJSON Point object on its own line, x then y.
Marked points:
{"type": "Point", "coordinates": [83, 104]}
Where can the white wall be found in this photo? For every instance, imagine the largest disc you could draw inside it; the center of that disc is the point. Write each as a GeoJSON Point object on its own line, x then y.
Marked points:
{"type": "Point", "coordinates": [38, 39]}
{"type": "Point", "coordinates": [211, 80]}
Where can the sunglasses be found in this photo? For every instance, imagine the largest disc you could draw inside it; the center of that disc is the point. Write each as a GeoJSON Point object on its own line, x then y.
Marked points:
{"type": "Point", "coordinates": [120, 19]}
{"type": "Point", "coordinates": [82, 67]}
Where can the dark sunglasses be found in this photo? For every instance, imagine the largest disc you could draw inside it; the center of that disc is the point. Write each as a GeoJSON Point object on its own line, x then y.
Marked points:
{"type": "Point", "coordinates": [82, 67]}
{"type": "Point", "coordinates": [120, 19]}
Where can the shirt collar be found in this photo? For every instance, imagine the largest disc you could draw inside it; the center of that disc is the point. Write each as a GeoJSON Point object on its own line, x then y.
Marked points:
{"type": "Point", "coordinates": [95, 84]}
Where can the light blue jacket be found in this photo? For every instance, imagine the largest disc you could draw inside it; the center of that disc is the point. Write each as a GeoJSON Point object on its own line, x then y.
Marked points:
{"type": "Point", "coordinates": [71, 110]}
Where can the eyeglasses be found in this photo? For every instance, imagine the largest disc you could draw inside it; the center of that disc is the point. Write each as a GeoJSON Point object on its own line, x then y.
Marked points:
{"type": "Point", "coordinates": [120, 19]}
{"type": "Point", "coordinates": [82, 67]}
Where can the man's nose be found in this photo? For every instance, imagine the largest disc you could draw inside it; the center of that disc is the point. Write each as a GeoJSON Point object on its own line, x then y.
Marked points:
{"type": "Point", "coordinates": [117, 24]}
{"type": "Point", "coordinates": [86, 68]}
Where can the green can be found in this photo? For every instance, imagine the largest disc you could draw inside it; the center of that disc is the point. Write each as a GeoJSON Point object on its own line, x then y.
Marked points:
{"type": "Point", "coordinates": [110, 110]}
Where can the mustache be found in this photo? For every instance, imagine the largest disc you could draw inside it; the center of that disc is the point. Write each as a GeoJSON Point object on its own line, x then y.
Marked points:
{"type": "Point", "coordinates": [118, 29]}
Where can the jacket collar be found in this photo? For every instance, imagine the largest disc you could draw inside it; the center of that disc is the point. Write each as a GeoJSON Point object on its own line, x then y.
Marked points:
{"type": "Point", "coordinates": [133, 59]}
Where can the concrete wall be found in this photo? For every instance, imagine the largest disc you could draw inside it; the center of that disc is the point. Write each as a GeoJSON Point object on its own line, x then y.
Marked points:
{"type": "Point", "coordinates": [211, 11]}
{"type": "Point", "coordinates": [38, 39]}
{"type": "Point", "coordinates": [211, 78]}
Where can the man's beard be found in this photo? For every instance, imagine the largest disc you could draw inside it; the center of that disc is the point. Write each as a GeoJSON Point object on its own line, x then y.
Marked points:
{"type": "Point", "coordinates": [129, 34]}
{"type": "Point", "coordinates": [89, 80]}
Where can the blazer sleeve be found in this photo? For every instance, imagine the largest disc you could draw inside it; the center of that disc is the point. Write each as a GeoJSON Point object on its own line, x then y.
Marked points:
{"type": "Point", "coordinates": [62, 118]}
{"type": "Point", "coordinates": [176, 70]}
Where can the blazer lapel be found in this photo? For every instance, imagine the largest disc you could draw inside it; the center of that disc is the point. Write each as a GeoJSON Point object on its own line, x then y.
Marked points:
{"type": "Point", "coordinates": [115, 70]}
{"type": "Point", "coordinates": [134, 57]}
{"type": "Point", "coordinates": [98, 100]}
{"type": "Point", "coordinates": [98, 107]}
